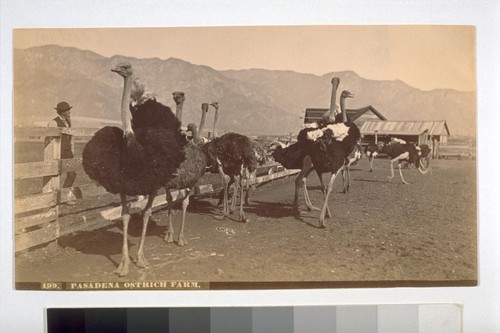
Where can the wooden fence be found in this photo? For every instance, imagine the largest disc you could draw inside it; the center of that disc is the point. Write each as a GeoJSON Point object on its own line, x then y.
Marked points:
{"type": "Point", "coordinates": [37, 216]}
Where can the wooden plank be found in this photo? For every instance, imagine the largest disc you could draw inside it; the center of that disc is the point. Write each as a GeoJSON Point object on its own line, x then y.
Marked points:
{"type": "Point", "coordinates": [85, 132]}
{"type": "Point", "coordinates": [71, 164]}
{"type": "Point", "coordinates": [277, 175]}
{"type": "Point", "coordinates": [203, 189]}
{"type": "Point", "coordinates": [37, 237]}
{"type": "Point", "coordinates": [90, 190]}
{"type": "Point", "coordinates": [159, 200]}
{"type": "Point", "coordinates": [36, 219]}
{"type": "Point", "coordinates": [87, 222]}
{"type": "Point", "coordinates": [36, 169]}
{"type": "Point", "coordinates": [33, 202]}
{"type": "Point", "coordinates": [20, 132]}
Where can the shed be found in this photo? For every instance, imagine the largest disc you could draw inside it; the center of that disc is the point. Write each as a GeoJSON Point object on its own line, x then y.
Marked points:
{"type": "Point", "coordinates": [357, 116]}
{"type": "Point", "coordinates": [431, 132]}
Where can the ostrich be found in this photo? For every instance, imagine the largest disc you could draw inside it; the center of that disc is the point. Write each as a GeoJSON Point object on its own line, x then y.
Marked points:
{"type": "Point", "coordinates": [372, 151]}
{"type": "Point", "coordinates": [296, 155]}
{"type": "Point", "coordinates": [400, 151]}
{"type": "Point", "coordinates": [233, 156]}
{"type": "Point", "coordinates": [135, 159]}
{"type": "Point", "coordinates": [329, 153]}
{"type": "Point", "coordinates": [188, 173]}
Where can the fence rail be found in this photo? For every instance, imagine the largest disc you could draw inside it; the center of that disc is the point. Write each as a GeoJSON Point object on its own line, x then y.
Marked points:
{"type": "Point", "coordinates": [37, 216]}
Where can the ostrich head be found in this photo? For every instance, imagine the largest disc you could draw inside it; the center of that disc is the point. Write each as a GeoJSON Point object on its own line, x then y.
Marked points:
{"type": "Point", "coordinates": [215, 105]}
{"type": "Point", "coordinates": [204, 107]}
{"type": "Point", "coordinates": [335, 81]}
{"type": "Point", "coordinates": [124, 69]}
{"type": "Point", "coordinates": [346, 94]}
{"type": "Point", "coordinates": [191, 127]}
{"type": "Point", "coordinates": [179, 97]}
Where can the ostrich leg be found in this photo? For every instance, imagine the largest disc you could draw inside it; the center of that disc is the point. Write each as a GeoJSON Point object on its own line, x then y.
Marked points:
{"type": "Point", "coordinates": [346, 181]}
{"type": "Point", "coordinates": [323, 190]}
{"type": "Point", "coordinates": [243, 175]}
{"type": "Point", "coordinates": [371, 158]}
{"type": "Point", "coordinates": [141, 259]}
{"type": "Point", "coordinates": [307, 167]}
{"type": "Point", "coordinates": [401, 174]}
{"type": "Point", "coordinates": [325, 204]}
{"type": "Point", "coordinates": [401, 157]}
{"type": "Point", "coordinates": [225, 209]}
{"type": "Point", "coordinates": [169, 236]}
{"type": "Point", "coordinates": [185, 203]}
{"type": "Point", "coordinates": [122, 269]}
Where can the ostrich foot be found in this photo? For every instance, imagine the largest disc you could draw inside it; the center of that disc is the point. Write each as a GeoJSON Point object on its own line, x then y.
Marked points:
{"type": "Point", "coordinates": [122, 269]}
{"type": "Point", "coordinates": [371, 170]}
{"type": "Point", "coordinates": [321, 223]}
{"type": "Point", "coordinates": [389, 178]}
{"type": "Point", "coordinates": [169, 237]}
{"type": "Point", "coordinates": [220, 217]}
{"type": "Point", "coordinates": [298, 213]}
{"type": "Point", "coordinates": [182, 241]}
{"type": "Point", "coordinates": [311, 208]}
{"type": "Point", "coordinates": [244, 219]}
{"type": "Point", "coordinates": [405, 182]}
{"type": "Point", "coordinates": [141, 261]}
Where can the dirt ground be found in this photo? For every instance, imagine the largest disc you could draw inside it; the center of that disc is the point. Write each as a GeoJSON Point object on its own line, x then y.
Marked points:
{"type": "Point", "coordinates": [380, 231]}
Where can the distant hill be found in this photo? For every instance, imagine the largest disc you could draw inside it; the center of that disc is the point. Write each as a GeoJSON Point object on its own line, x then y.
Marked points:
{"type": "Point", "coordinates": [253, 101]}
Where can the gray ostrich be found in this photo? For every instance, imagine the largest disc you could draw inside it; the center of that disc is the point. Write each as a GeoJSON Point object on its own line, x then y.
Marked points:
{"type": "Point", "coordinates": [187, 175]}
{"type": "Point", "coordinates": [233, 157]}
{"type": "Point", "coordinates": [135, 160]}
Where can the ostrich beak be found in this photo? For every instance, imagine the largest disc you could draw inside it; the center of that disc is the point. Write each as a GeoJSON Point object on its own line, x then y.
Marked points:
{"type": "Point", "coordinates": [349, 95]}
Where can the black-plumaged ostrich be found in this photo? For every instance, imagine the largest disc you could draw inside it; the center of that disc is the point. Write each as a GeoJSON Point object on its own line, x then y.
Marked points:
{"type": "Point", "coordinates": [400, 151]}
{"type": "Point", "coordinates": [329, 148]}
{"type": "Point", "coordinates": [190, 170]}
{"type": "Point", "coordinates": [329, 154]}
{"type": "Point", "coordinates": [372, 150]}
{"type": "Point", "coordinates": [135, 160]}
{"type": "Point", "coordinates": [187, 175]}
{"type": "Point", "coordinates": [296, 156]}
{"type": "Point", "coordinates": [232, 155]}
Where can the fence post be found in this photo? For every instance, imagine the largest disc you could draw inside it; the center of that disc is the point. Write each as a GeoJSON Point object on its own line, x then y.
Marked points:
{"type": "Point", "coordinates": [52, 151]}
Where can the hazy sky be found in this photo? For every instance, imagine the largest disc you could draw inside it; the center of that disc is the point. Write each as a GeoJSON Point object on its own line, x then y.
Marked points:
{"type": "Point", "coordinates": [426, 57]}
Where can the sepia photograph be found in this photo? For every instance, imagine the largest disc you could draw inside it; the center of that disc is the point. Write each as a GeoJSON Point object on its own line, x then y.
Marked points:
{"type": "Point", "coordinates": [245, 157]}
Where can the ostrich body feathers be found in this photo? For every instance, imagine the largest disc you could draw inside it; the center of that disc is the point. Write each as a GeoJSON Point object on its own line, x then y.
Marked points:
{"type": "Point", "coordinates": [141, 164]}
{"type": "Point", "coordinates": [232, 150]}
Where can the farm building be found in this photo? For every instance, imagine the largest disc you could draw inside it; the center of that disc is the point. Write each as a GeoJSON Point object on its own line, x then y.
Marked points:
{"type": "Point", "coordinates": [357, 116]}
{"type": "Point", "coordinates": [432, 133]}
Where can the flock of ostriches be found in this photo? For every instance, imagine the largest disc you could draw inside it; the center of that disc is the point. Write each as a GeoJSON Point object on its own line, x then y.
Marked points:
{"type": "Point", "coordinates": [150, 152]}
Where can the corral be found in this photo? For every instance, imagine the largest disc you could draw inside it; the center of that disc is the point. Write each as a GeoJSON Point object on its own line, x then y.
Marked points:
{"type": "Point", "coordinates": [381, 234]}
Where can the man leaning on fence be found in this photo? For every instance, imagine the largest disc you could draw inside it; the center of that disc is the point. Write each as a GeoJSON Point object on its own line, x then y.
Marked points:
{"type": "Point", "coordinates": [63, 119]}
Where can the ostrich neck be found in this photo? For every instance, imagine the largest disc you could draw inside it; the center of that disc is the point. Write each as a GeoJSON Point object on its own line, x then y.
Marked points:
{"type": "Point", "coordinates": [178, 111]}
{"type": "Point", "coordinates": [194, 133]}
{"type": "Point", "coordinates": [216, 116]}
{"type": "Point", "coordinates": [202, 123]}
{"type": "Point", "coordinates": [342, 109]}
{"type": "Point", "coordinates": [125, 111]}
{"type": "Point", "coordinates": [333, 99]}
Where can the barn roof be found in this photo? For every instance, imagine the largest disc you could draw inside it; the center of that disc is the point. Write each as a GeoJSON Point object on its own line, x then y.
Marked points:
{"type": "Point", "coordinates": [315, 114]}
{"type": "Point", "coordinates": [434, 127]}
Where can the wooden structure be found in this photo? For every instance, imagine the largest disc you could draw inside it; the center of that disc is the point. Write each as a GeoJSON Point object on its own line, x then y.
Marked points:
{"type": "Point", "coordinates": [431, 133]}
{"type": "Point", "coordinates": [37, 216]}
{"type": "Point", "coordinates": [357, 116]}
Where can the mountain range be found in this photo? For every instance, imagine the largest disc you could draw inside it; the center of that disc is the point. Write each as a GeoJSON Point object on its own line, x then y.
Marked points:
{"type": "Point", "coordinates": [252, 101]}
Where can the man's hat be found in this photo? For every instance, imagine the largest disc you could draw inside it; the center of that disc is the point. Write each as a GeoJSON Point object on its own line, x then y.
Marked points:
{"type": "Point", "coordinates": [62, 106]}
